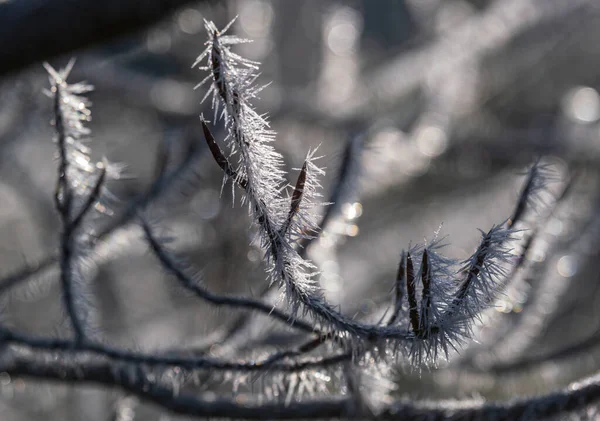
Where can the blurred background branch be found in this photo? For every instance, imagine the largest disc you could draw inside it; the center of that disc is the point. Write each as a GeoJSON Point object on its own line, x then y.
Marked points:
{"type": "Point", "coordinates": [35, 30]}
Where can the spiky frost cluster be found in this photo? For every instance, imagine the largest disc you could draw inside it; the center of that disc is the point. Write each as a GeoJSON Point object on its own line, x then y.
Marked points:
{"type": "Point", "coordinates": [249, 134]}
{"type": "Point", "coordinates": [448, 294]}
{"type": "Point", "coordinates": [259, 170]}
{"type": "Point", "coordinates": [437, 299]}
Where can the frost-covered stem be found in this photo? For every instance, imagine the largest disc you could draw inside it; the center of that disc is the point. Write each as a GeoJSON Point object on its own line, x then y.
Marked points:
{"type": "Point", "coordinates": [468, 289]}
{"type": "Point", "coordinates": [133, 378]}
{"type": "Point", "coordinates": [63, 199]}
{"type": "Point", "coordinates": [281, 361]}
{"type": "Point", "coordinates": [346, 171]}
{"type": "Point", "coordinates": [473, 272]}
{"type": "Point", "coordinates": [162, 184]}
{"type": "Point", "coordinates": [237, 302]}
{"type": "Point", "coordinates": [525, 195]}
{"type": "Point", "coordinates": [538, 177]}
{"type": "Point", "coordinates": [66, 277]}
{"type": "Point", "coordinates": [91, 199]}
{"type": "Point", "coordinates": [216, 61]}
{"type": "Point", "coordinates": [280, 253]}
{"type": "Point", "coordinates": [63, 194]}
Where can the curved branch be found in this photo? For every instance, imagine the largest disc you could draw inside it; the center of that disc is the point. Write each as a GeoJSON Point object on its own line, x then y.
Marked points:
{"type": "Point", "coordinates": [75, 350]}
{"type": "Point", "coordinates": [134, 379]}
{"type": "Point", "coordinates": [238, 302]}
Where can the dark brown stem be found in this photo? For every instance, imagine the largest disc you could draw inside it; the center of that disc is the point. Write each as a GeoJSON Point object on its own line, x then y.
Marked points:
{"type": "Point", "coordinates": [411, 290]}
{"type": "Point", "coordinates": [296, 199]}
{"type": "Point", "coordinates": [426, 298]}
{"type": "Point", "coordinates": [220, 158]}
{"type": "Point", "coordinates": [398, 289]}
